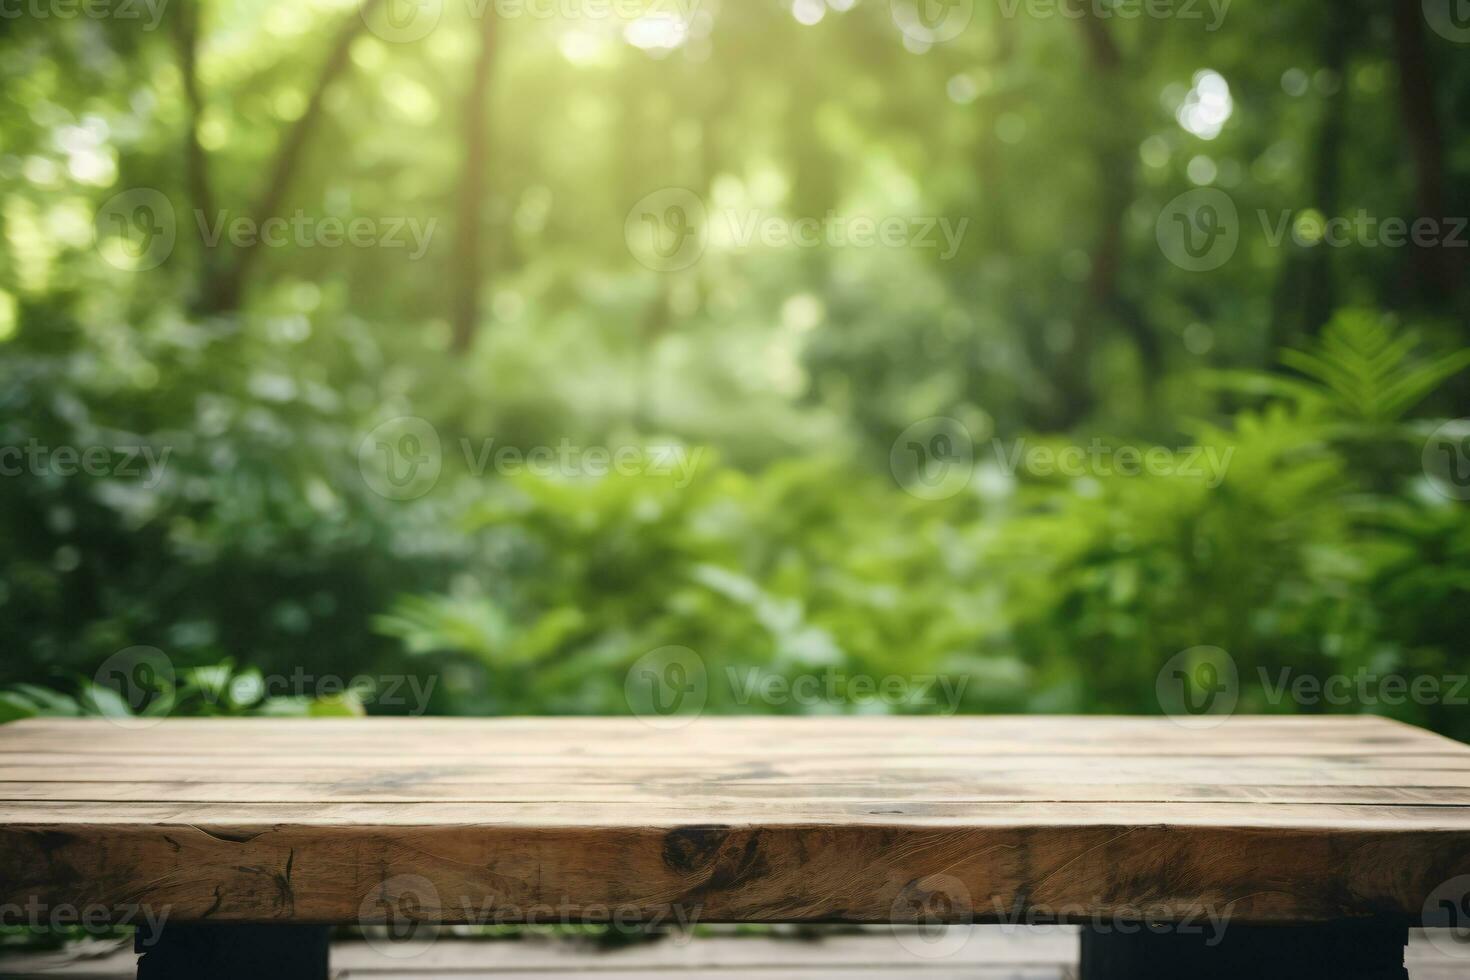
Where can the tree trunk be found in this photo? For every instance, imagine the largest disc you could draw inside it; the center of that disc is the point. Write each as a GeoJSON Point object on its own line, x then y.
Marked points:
{"type": "Point", "coordinates": [223, 291]}
{"type": "Point", "coordinates": [467, 274]}
{"type": "Point", "coordinates": [1319, 286]}
{"type": "Point", "coordinates": [196, 162]}
{"type": "Point", "coordinates": [1104, 301]}
{"type": "Point", "coordinates": [1436, 272]}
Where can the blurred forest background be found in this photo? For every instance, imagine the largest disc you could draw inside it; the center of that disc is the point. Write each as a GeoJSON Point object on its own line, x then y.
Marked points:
{"type": "Point", "coordinates": [531, 145]}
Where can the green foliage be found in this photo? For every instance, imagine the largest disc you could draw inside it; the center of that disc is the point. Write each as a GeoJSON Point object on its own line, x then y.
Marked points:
{"type": "Point", "coordinates": [212, 691]}
{"type": "Point", "coordinates": [251, 537]}
{"type": "Point", "coordinates": [1044, 594]}
{"type": "Point", "coordinates": [1369, 370]}
{"type": "Point", "coordinates": [1319, 549]}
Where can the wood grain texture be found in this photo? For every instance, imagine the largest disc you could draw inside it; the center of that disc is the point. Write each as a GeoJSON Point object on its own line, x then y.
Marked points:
{"type": "Point", "coordinates": [787, 819]}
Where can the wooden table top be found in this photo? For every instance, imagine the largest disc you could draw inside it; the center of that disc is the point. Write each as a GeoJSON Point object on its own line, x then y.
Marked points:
{"type": "Point", "coordinates": [755, 819]}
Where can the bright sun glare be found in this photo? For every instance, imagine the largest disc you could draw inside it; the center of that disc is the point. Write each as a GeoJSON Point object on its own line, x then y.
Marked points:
{"type": "Point", "coordinates": [1208, 105]}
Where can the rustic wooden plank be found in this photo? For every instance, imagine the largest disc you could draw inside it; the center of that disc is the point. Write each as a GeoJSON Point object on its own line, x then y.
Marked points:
{"type": "Point", "coordinates": [862, 819]}
{"type": "Point", "coordinates": [1062, 724]}
{"type": "Point", "coordinates": [725, 738]}
{"type": "Point", "coordinates": [227, 733]}
{"type": "Point", "coordinates": [476, 872]}
{"type": "Point", "coordinates": [1283, 770]}
{"type": "Point", "coordinates": [725, 793]}
{"type": "Point", "coordinates": [938, 816]}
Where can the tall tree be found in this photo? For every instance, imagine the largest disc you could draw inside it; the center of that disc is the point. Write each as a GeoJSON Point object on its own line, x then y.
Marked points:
{"type": "Point", "coordinates": [1105, 303]}
{"type": "Point", "coordinates": [467, 269]}
{"type": "Point", "coordinates": [1319, 292]}
{"type": "Point", "coordinates": [186, 22]}
{"type": "Point", "coordinates": [225, 281]}
{"type": "Point", "coordinates": [1426, 142]}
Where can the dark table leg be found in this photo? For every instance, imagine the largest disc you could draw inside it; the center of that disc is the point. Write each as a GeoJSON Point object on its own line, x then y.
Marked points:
{"type": "Point", "coordinates": [186, 951]}
{"type": "Point", "coordinates": [1350, 950]}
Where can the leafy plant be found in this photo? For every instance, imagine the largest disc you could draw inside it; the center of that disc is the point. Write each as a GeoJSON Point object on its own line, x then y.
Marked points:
{"type": "Point", "coordinates": [209, 691]}
{"type": "Point", "coordinates": [1370, 370]}
{"type": "Point", "coordinates": [1042, 593]}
